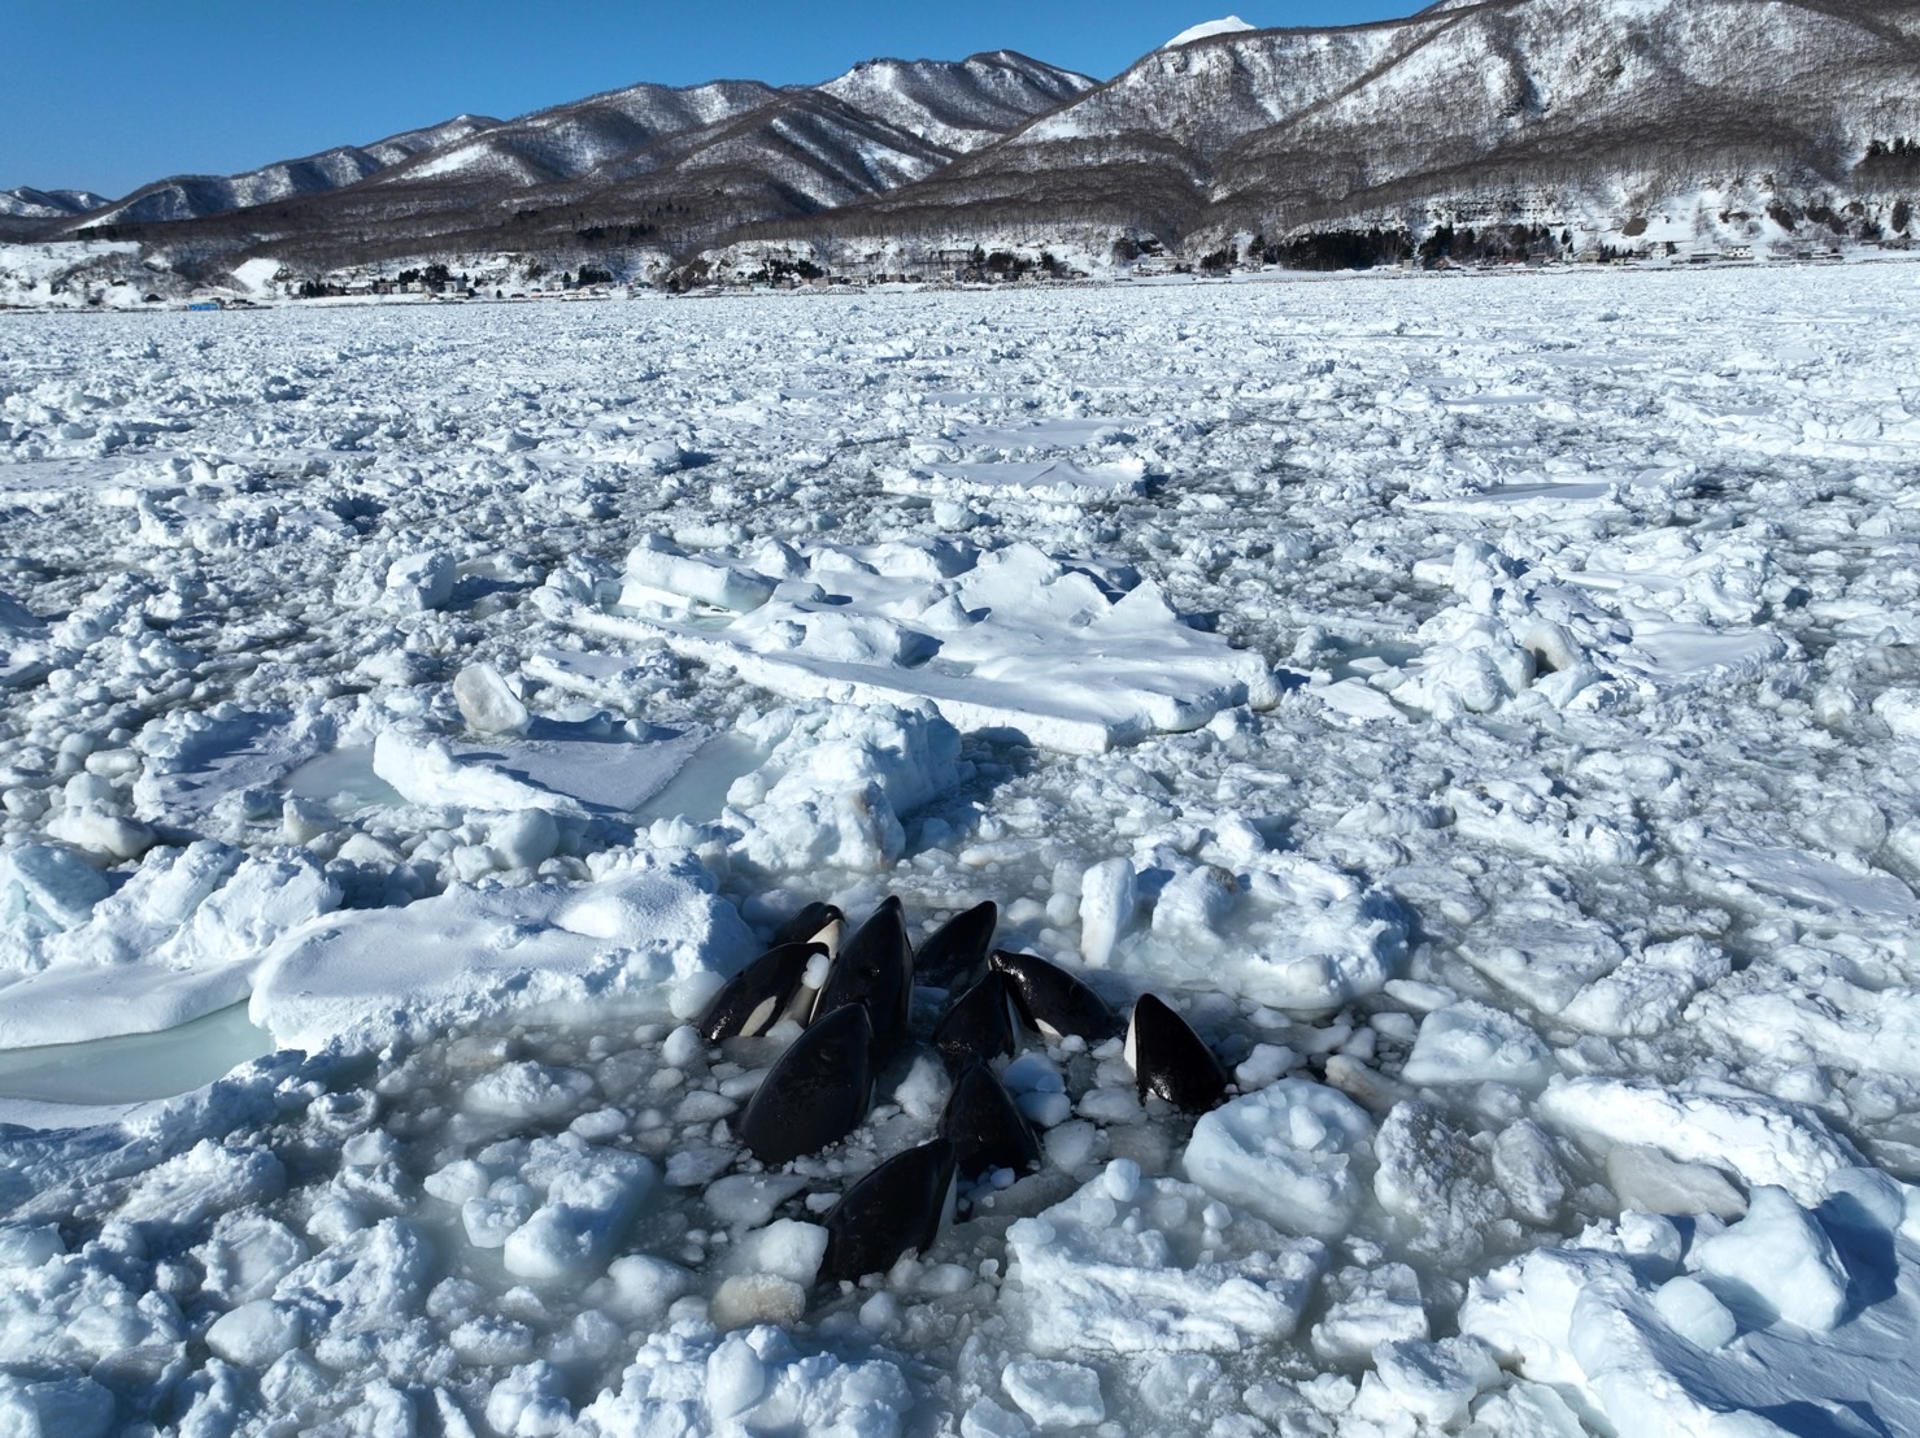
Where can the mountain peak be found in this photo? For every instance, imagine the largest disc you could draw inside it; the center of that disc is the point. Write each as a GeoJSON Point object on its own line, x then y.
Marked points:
{"type": "Point", "coordinates": [1232, 25]}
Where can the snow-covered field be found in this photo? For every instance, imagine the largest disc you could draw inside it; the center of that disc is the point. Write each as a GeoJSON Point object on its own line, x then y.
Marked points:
{"type": "Point", "coordinates": [1488, 709]}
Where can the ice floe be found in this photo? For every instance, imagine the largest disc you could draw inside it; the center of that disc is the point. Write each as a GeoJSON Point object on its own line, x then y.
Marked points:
{"type": "Point", "coordinates": [1009, 642]}
{"type": "Point", "coordinates": [1481, 706]}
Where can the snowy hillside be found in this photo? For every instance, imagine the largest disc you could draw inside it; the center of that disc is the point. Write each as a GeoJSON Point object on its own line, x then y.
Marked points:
{"type": "Point", "coordinates": [193, 196]}
{"type": "Point", "coordinates": [1515, 127]}
{"type": "Point", "coordinates": [569, 140]}
{"type": "Point", "coordinates": [1437, 756]}
{"type": "Point", "coordinates": [959, 107]}
{"type": "Point", "coordinates": [1535, 111]}
{"type": "Point", "coordinates": [33, 204]}
{"type": "Point", "coordinates": [668, 170]}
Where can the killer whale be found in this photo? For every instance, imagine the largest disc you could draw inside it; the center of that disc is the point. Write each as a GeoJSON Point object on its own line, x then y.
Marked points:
{"type": "Point", "coordinates": [900, 1206]}
{"type": "Point", "coordinates": [1053, 1001]}
{"type": "Point", "coordinates": [874, 969]}
{"type": "Point", "coordinates": [816, 1093]}
{"type": "Point", "coordinates": [1171, 1061]}
{"type": "Point", "coordinates": [756, 998]}
{"type": "Point", "coordinates": [954, 956]}
{"type": "Point", "coordinates": [986, 1127]}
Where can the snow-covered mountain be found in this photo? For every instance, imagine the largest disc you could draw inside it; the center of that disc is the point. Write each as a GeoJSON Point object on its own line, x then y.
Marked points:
{"type": "Point", "coordinates": [31, 204]}
{"type": "Point", "coordinates": [960, 107]}
{"type": "Point", "coordinates": [570, 140]}
{"type": "Point", "coordinates": [188, 197]}
{"type": "Point", "coordinates": [674, 169]}
{"type": "Point", "coordinates": [1527, 110]}
{"type": "Point", "coordinates": [1744, 119]}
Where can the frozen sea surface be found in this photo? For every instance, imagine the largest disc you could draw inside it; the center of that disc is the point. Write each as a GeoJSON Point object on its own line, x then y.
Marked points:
{"type": "Point", "coordinates": [1488, 708]}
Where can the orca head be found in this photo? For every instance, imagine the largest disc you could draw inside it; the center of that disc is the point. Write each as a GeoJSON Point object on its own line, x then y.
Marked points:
{"type": "Point", "coordinates": [756, 998]}
{"type": "Point", "coordinates": [986, 1127]}
{"type": "Point", "coordinates": [1170, 1060]}
{"type": "Point", "coordinates": [874, 968]}
{"type": "Point", "coordinates": [830, 935]}
{"type": "Point", "coordinates": [1053, 1001]}
{"type": "Point", "coordinates": [900, 1206]}
{"type": "Point", "coordinates": [953, 954]}
{"type": "Point", "coordinates": [816, 1093]}
{"type": "Point", "coordinates": [812, 925]}
{"type": "Point", "coordinates": [983, 1023]}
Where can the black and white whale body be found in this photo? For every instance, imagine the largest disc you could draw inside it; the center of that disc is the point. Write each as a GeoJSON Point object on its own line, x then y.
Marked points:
{"type": "Point", "coordinates": [816, 1093]}
{"type": "Point", "coordinates": [760, 995]}
{"type": "Point", "coordinates": [954, 955]}
{"type": "Point", "coordinates": [898, 1207]}
{"type": "Point", "coordinates": [874, 969]}
{"type": "Point", "coordinates": [1053, 1001]}
{"type": "Point", "coordinates": [816, 924]}
{"type": "Point", "coordinates": [983, 1023]}
{"type": "Point", "coordinates": [986, 1127]}
{"type": "Point", "coordinates": [1170, 1060]}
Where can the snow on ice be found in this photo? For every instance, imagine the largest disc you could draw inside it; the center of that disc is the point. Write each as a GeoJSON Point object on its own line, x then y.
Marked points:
{"type": "Point", "coordinates": [1482, 707]}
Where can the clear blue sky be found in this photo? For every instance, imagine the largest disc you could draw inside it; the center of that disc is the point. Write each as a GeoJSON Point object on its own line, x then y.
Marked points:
{"type": "Point", "coordinates": [109, 94]}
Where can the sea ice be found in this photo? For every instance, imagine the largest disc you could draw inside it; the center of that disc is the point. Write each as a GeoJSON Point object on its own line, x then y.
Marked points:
{"type": "Point", "coordinates": [627, 939]}
{"type": "Point", "coordinates": [1008, 643]}
{"type": "Point", "coordinates": [1490, 694]}
{"type": "Point", "coordinates": [1131, 1264]}
{"type": "Point", "coordinates": [1472, 1043]}
{"type": "Point", "coordinates": [1291, 1154]}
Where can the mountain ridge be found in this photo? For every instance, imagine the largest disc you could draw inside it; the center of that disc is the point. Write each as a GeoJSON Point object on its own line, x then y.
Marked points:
{"type": "Point", "coordinates": [1725, 123]}
{"type": "Point", "coordinates": [1460, 106]}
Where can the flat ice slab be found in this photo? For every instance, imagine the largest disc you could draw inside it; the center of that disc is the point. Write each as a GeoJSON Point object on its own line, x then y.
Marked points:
{"type": "Point", "coordinates": [1010, 643]}
{"type": "Point", "coordinates": [557, 766]}
{"type": "Point", "coordinates": [621, 942]}
{"type": "Point", "coordinates": [1144, 1265]}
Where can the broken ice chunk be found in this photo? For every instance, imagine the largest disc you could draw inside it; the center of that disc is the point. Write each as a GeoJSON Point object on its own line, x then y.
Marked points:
{"type": "Point", "coordinates": [420, 581]}
{"type": "Point", "coordinates": [256, 1333]}
{"type": "Point", "coordinates": [641, 1287]}
{"type": "Point", "coordinates": [1368, 1307]}
{"type": "Point", "coordinates": [1762, 1140]}
{"type": "Point", "coordinates": [1470, 1042]}
{"type": "Point", "coordinates": [1055, 1394]}
{"type": "Point", "coordinates": [1435, 1381]}
{"type": "Point", "coordinates": [1107, 899]}
{"type": "Point", "coordinates": [1287, 1153]}
{"type": "Point", "coordinates": [588, 1206]}
{"type": "Point", "coordinates": [529, 1091]}
{"type": "Point", "coordinates": [1694, 1313]}
{"type": "Point", "coordinates": [656, 567]}
{"type": "Point", "coordinates": [785, 1248]}
{"type": "Point", "coordinates": [1776, 1264]}
{"type": "Point", "coordinates": [51, 884]}
{"type": "Point", "coordinates": [487, 702]}
{"type": "Point", "coordinates": [1129, 1264]}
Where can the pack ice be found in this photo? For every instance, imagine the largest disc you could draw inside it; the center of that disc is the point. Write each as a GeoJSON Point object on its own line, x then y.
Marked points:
{"type": "Point", "coordinates": [1012, 643]}
{"type": "Point", "coordinates": [1480, 709]}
